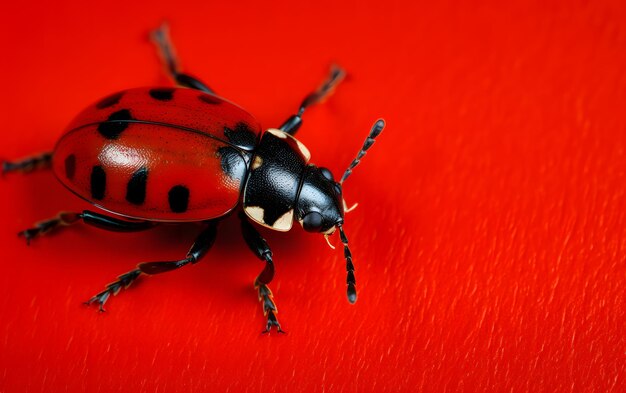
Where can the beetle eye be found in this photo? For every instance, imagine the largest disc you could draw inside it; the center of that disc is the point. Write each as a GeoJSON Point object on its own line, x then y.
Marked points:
{"type": "Point", "coordinates": [337, 189]}
{"type": "Point", "coordinates": [326, 173]}
{"type": "Point", "coordinates": [312, 222]}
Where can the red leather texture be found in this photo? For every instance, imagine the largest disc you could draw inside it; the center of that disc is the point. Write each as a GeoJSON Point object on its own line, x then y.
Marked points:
{"type": "Point", "coordinates": [489, 240]}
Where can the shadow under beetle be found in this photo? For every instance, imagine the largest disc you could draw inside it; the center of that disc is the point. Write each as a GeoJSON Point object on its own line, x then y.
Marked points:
{"type": "Point", "coordinates": [156, 155]}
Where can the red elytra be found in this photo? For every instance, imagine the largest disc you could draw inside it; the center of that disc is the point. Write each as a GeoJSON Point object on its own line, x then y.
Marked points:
{"type": "Point", "coordinates": [169, 138]}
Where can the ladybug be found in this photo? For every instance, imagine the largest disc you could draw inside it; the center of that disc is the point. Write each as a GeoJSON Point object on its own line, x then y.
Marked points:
{"type": "Point", "coordinates": [149, 156]}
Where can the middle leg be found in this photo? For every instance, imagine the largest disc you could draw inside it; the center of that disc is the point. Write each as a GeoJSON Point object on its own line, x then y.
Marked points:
{"type": "Point", "coordinates": [200, 247]}
{"type": "Point", "coordinates": [166, 49]}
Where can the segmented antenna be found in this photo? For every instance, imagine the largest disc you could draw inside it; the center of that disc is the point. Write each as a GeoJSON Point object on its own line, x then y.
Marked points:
{"type": "Point", "coordinates": [351, 280]}
{"type": "Point", "coordinates": [377, 128]}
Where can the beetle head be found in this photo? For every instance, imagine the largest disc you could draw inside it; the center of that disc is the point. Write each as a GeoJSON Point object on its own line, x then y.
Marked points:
{"type": "Point", "coordinates": [320, 204]}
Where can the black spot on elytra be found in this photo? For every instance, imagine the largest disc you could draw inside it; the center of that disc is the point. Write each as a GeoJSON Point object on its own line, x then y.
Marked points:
{"type": "Point", "coordinates": [70, 166]}
{"type": "Point", "coordinates": [110, 100]}
{"type": "Point", "coordinates": [162, 94]}
{"type": "Point", "coordinates": [98, 182]}
{"type": "Point", "coordinates": [136, 187]}
{"type": "Point", "coordinates": [241, 135]}
{"type": "Point", "coordinates": [209, 99]}
{"type": "Point", "coordinates": [115, 124]}
{"type": "Point", "coordinates": [178, 198]}
{"type": "Point", "coordinates": [232, 163]}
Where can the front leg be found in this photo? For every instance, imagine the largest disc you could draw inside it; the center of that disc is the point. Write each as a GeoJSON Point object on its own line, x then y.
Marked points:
{"type": "Point", "coordinates": [293, 123]}
{"type": "Point", "coordinates": [259, 246]}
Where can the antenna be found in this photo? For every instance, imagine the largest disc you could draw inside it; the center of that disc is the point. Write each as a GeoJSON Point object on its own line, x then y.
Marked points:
{"type": "Point", "coordinates": [377, 128]}
{"type": "Point", "coordinates": [351, 280]}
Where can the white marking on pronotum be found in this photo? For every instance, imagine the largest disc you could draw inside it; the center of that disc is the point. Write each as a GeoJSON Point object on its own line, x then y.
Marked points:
{"type": "Point", "coordinates": [256, 213]}
{"type": "Point", "coordinates": [277, 133]}
{"type": "Point", "coordinates": [283, 135]}
{"type": "Point", "coordinates": [284, 222]}
{"type": "Point", "coordinates": [303, 150]}
{"type": "Point", "coordinates": [258, 161]}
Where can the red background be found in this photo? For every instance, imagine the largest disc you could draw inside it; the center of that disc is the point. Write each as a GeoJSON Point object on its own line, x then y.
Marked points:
{"type": "Point", "coordinates": [489, 240]}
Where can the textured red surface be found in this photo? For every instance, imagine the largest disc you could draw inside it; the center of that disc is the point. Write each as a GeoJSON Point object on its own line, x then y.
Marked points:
{"type": "Point", "coordinates": [489, 239]}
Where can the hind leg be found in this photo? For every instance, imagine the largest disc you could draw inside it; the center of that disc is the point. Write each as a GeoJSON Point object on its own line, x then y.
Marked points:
{"type": "Point", "coordinates": [28, 164]}
{"type": "Point", "coordinates": [102, 221]}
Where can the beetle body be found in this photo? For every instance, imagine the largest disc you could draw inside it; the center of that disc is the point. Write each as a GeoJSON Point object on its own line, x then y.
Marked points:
{"type": "Point", "coordinates": [158, 154]}
{"type": "Point", "coordinates": [163, 154]}
{"type": "Point", "coordinates": [175, 154]}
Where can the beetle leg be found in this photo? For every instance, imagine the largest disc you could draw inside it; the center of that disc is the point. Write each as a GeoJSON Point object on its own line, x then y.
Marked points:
{"type": "Point", "coordinates": [29, 164]}
{"type": "Point", "coordinates": [113, 289]}
{"type": "Point", "coordinates": [162, 40]}
{"type": "Point", "coordinates": [259, 246]}
{"type": "Point", "coordinates": [45, 226]}
{"type": "Point", "coordinates": [293, 123]}
{"type": "Point", "coordinates": [88, 217]}
{"type": "Point", "coordinates": [200, 247]}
